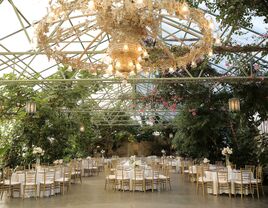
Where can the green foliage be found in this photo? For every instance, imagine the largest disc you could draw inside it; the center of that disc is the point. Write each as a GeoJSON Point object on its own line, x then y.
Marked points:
{"type": "Point", "coordinates": [53, 127]}
{"type": "Point", "coordinates": [238, 13]}
{"type": "Point", "coordinates": [204, 125]}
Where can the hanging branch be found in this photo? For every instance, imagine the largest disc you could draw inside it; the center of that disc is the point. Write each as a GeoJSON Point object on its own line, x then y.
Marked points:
{"type": "Point", "coordinates": [239, 49]}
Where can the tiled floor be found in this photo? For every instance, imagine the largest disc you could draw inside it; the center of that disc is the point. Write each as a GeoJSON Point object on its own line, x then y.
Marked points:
{"type": "Point", "coordinates": [92, 194]}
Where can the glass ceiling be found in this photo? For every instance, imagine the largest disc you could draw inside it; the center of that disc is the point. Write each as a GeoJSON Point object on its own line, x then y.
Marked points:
{"type": "Point", "coordinates": [18, 55]}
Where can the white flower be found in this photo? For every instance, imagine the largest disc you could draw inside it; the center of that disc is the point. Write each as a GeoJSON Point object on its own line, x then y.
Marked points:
{"type": "Point", "coordinates": [227, 151]}
{"type": "Point", "coordinates": [60, 161]}
{"type": "Point", "coordinates": [163, 151]}
{"type": "Point", "coordinates": [38, 150]}
{"type": "Point", "coordinates": [156, 133]}
{"type": "Point", "coordinates": [206, 160]}
{"type": "Point", "coordinates": [88, 157]}
{"type": "Point", "coordinates": [102, 151]}
{"type": "Point", "coordinates": [56, 162]}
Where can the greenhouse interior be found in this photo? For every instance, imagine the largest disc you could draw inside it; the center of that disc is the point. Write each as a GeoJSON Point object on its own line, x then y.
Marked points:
{"type": "Point", "coordinates": [133, 103]}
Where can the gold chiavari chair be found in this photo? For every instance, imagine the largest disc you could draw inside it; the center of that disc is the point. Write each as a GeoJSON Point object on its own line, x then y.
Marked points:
{"type": "Point", "coordinates": [76, 173]}
{"type": "Point", "coordinates": [202, 180]}
{"type": "Point", "coordinates": [78, 170]}
{"type": "Point", "coordinates": [9, 184]}
{"type": "Point", "coordinates": [223, 182]}
{"type": "Point", "coordinates": [139, 179]}
{"type": "Point", "coordinates": [165, 178]}
{"type": "Point", "coordinates": [250, 168]}
{"type": "Point", "coordinates": [243, 182]}
{"type": "Point", "coordinates": [95, 166]}
{"type": "Point", "coordinates": [233, 166]}
{"type": "Point", "coordinates": [100, 164]}
{"type": "Point", "coordinates": [122, 178]}
{"type": "Point", "coordinates": [152, 180]}
{"type": "Point", "coordinates": [114, 163]}
{"type": "Point", "coordinates": [88, 167]}
{"type": "Point", "coordinates": [257, 182]}
{"type": "Point", "coordinates": [30, 183]}
{"type": "Point", "coordinates": [47, 182]}
{"type": "Point", "coordinates": [109, 178]}
{"type": "Point", "coordinates": [188, 170]}
{"type": "Point", "coordinates": [219, 163]}
{"type": "Point", "coordinates": [65, 180]}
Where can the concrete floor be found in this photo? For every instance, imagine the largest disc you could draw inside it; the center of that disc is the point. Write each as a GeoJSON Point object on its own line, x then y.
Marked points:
{"type": "Point", "coordinates": [92, 194]}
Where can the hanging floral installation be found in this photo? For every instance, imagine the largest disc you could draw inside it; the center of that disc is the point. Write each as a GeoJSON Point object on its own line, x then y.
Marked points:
{"type": "Point", "coordinates": [128, 24]}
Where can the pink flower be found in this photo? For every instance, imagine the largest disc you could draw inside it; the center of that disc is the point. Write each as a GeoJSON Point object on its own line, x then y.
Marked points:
{"type": "Point", "coordinates": [165, 104]}
{"type": "Point", "coordinates": [173, 107]}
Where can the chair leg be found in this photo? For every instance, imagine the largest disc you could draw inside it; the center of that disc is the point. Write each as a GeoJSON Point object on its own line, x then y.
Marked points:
{"type": "Point", "coordinates": [250, 189]}
{"type": "Point", "coordinates": [35, 191]}
{"type": "Point", "coordinates": [23, 194]}
{"type": "Point", "coordinates": [241, 189]}
{"type": "Point", "coordinates": [2, 193]}
{"type": "Point", "coordinates": [257, 188]}
{"type": "Point", "coordinates": [262, 190]}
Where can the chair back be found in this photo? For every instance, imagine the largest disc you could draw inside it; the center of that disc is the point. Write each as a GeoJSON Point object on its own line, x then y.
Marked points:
{"type": "Point", "coordinates": [114, 163]}
{"type": "Point", "coordinates": [199, 173]}
{"type": "Point", "coordinates": [7, 175]}
{"type": "Point", "coordinates": [222, 176]}
{"type": "Point", "coordinates": [119, 173]}
{"type": "Point", "coordinates": [250, 168]}
{"type": "Point", "coordinates": [219, 163]}
{"type": "Point", "coordinates": [259, 173]}
{"type": "Point", "coordinates": [138, 173]}
{"type": "Point", "coordinates": [78, 166]}
{"type": "Point", "coordinates": [106, 170]}
{"type": "Point", "coordinates": [30, 177]}
{"type": "Point", "coordinates": [245, 176]}
{"type": "Point", "coordinates": [67, 170]}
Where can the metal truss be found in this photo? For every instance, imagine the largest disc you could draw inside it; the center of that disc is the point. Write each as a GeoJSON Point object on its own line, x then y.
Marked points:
{"type": "Point", "coordinates": [118, 99]}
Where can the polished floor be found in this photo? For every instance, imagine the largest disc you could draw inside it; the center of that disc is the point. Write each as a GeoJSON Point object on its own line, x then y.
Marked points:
{"type": "Point", "coordinates": [92, 194]}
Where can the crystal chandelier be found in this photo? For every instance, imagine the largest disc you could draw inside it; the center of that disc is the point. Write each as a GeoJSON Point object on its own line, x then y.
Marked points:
{"type": "Point", "coordinates": [127, 23]}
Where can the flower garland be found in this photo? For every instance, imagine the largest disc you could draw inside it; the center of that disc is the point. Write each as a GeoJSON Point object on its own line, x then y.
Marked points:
{"type": "Point", "coordinates": [114, 17]}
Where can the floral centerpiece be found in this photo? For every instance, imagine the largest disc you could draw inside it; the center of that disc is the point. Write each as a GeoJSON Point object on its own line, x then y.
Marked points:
{"type": "Point", "coordinates": [102, 153]}
{"type": "Point", "coordinates": [163, 152]}
{"type": "Point", "coordinates": [38, 152]}
{"type": "Point", "coordinates": [132, 159]}
{"type": "Point", "coordinates": [58, 162]}
{"type": "Point", "coordinates": [227, 152]}
{"type": "Point", "coordinates": [206, 161]}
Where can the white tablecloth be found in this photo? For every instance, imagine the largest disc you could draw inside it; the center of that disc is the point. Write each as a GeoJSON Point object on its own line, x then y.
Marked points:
{"type": "Point", "coordinates": [232, 176]}
{"type": "Point", "coordinates": [20, 177]}
{"type": "Point", "coordinates": [129, 172]}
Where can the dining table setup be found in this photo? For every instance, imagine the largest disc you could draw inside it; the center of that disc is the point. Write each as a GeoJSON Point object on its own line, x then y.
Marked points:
{"type": "Point", "coordinates": [219, 179]}
{"type": "Point", "coordinates": [40, 180]}
{"type": "Point", "coordinates": [138, 174]}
